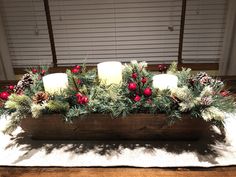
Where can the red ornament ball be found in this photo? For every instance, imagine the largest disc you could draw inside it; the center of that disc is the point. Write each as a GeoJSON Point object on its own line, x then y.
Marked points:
{"type": "Point", "coordinates": [224, 93]}
{"type": "Point", "coordinates": [132, 86]}
{"type": "Point", "coordinates": [85, 100]}
{"type": "Point", "coordinates": [134, 75]}
{"type": "Point", "coordinates": [160, 67]}
{"type": "Point", "coordinates": [78, 95]}
{"type": "Point", "coordinates": [82, 99]}
{"type": "Point", "coordinates": [78, 67]}
{"type": "Point", "coordinates": [74, 70]}
{"type": "Point", "coordinates": [43, 72]}
{"type": "Point", "coordinates": [147, 91]}
{"type": "Point", "coordinates": [137, 98]}
{"type": "Point", "coordinates": [34, 70]}
{"type": "Point", "coordinates": [11, 87]}
{"type": "Point", "coordinates": [4, 95]}
{"type": "Point", "coordinates": [144, 80]}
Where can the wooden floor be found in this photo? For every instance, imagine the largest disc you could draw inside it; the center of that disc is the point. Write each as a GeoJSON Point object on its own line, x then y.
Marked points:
{"type": "Point", "coordinates": [117, 172]}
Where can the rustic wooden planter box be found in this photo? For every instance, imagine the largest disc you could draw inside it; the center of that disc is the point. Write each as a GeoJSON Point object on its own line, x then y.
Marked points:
{"type": "Point", "coordinates": [103, 127]}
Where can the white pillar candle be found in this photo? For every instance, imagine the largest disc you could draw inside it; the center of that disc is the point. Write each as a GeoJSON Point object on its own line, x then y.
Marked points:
{"type": "Point", "coordinates": [165, 81]}
{"type": "Point", "coordinates": [110, 72]}
{"type": "Point", "coordinates": [55, 83]}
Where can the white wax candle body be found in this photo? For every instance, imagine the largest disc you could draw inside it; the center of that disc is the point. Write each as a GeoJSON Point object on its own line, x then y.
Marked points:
{"type": "Point", "coordinates": [110, 72]}
{"type": "Point", "coordinates": [165, 81]}
{"type": "Point", "coordinates": [55, 83]}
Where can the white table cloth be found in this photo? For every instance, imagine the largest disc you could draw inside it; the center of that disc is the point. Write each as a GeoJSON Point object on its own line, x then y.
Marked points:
{"type": "Point", "coordinates": [19, 150]}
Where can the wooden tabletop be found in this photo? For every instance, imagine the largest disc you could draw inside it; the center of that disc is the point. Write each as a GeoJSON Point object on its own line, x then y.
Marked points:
{"type": "Point", "coordinates": [117, 172]}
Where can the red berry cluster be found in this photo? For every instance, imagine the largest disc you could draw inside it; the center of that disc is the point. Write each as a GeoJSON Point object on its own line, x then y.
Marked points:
{"type": "Point", "coordinates": [162, 67]}
{"type": "Point", "coordinates": [224, 93]}
{"type": "Point", "coordinates": [11, 87]}
{"type": "Point", "coordinates": [137, 98]}
{"type": "Point", "coordinates": [34, 70]}
{"type": "Point", "coordinates": [76, 69]}
{"type": "Point", "coordinates": [147, 91]}
{"type": "Point", "coordinates": [81, 99]}
{"type": "Point", "coordinates": [5, 94]}
{"type": "Point", "coordinates": [138, 88]}
{"type": "Point", "coordinates": [132, 86]}
{"type": "Point", "coordinates": [41, 72]}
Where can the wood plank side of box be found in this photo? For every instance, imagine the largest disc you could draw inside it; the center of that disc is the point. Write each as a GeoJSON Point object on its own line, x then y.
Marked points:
{"type": "Point", "coordinates": [103, 127]}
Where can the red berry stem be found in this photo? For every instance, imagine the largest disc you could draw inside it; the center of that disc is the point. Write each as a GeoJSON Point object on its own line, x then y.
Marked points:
{"type": "Point", "coordinates": [74, 82]}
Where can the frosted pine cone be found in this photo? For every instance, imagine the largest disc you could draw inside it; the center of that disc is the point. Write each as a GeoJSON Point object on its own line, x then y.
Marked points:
{"type": "Point", "coordinates": [217, 84]}
{"type": "Point", "coordinates": [200, 75]}
{"type": "Point", "coordinates": [203, 78]}
{"type": "Point", "coordinates": [206, 101]}
{"type": "Point", "coordinates": [40, 97]}
{"type": "Point", "coordinates": [25, 82]}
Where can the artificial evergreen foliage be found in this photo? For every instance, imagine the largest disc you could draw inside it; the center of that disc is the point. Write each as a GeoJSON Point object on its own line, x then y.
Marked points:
{"type": "Point", "coordinates": [137, 87]}
{"type": "Point", "coordinates": [18, 103]}
{"type": "Point", "coordinates": [37, 110]}
{"type": "Point", "coordinates": [56, 106]}
{"type": "Point", "coordinates": [19, 106]}
{"type": "Point", "coordinates": [201, 96]}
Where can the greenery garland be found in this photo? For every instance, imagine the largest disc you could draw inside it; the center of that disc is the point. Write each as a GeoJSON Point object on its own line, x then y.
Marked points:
{"type": "Point", "coordinates": [201, 96]}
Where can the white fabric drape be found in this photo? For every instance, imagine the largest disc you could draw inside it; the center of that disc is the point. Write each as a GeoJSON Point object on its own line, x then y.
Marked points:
{"type": "Point", "coordinates": [6, 70]}
{"type": "Point", "coordinates": [228, 59]}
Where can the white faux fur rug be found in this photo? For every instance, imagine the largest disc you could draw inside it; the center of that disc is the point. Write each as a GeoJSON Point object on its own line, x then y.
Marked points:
{"type": "Point", "coordinates": [19, 150]}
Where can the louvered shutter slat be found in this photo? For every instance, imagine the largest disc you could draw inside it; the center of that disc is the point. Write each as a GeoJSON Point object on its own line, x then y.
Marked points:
{"type": "Point", "coordinates": [115, 30]}
{"type": "Point", "coordinates": [204, 31]}
{"type": "Point", "coordinates": [27, 34]}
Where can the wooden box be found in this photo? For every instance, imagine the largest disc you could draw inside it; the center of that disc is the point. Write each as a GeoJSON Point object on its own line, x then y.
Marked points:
{"type": "Point", "coordinates": [103, 127]}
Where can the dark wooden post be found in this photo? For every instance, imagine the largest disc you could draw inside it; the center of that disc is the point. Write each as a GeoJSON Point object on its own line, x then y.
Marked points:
{"type": "Point", "coordinates": [181, 33]}
{"type": "Point", "coordinates": [50, 32]}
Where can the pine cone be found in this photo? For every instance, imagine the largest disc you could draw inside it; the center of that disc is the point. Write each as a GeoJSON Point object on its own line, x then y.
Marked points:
{"type": "Point", "coordinates": [203, 78]}
{"type": "Point", "coordinates": [25, 82]}
{"type": "Point", "coordinates": [206, 101]}
{"type": "Point", "coordinates": [200, 75]}
{"type": "Point", "coordinates": [40, 97]}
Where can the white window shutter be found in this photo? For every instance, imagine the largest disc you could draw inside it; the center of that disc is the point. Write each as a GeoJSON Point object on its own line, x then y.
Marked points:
{"type": "Point", "coordinates": [204, 31]}
{"type": "Point", "coordinates": [27, 35]}
{"type": "Point", "coordinates": [115, 30]}
{"type": "Point", "coordinates": [101, 30]}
